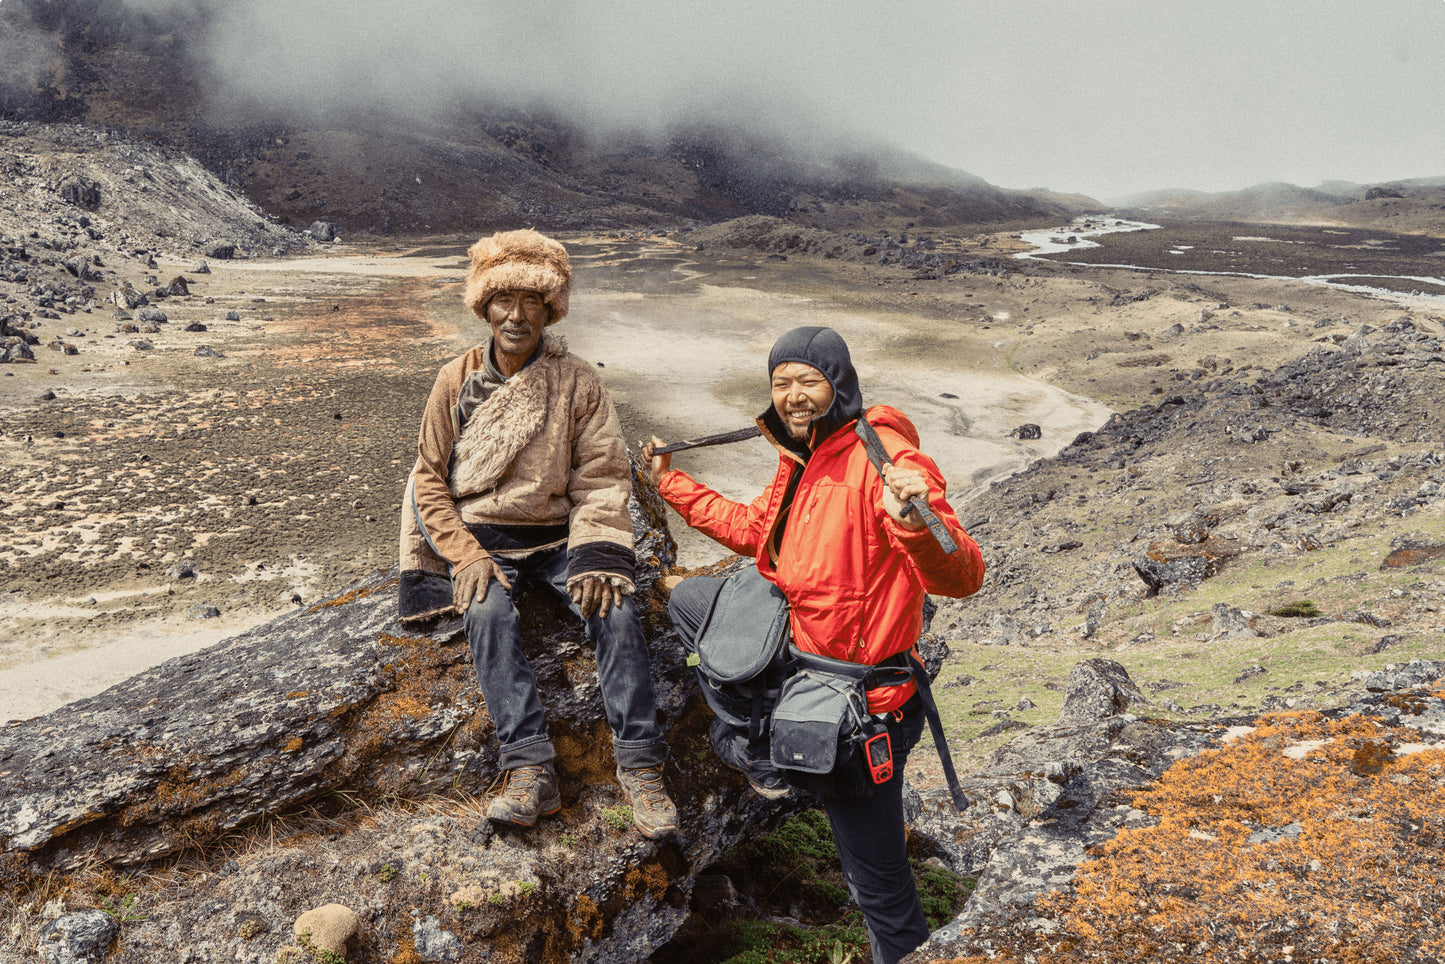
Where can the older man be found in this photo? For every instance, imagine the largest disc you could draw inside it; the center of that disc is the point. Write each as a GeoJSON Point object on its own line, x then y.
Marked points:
{"type": "Point", "coordinates": [834, 537]}
{"type": "Point", "coordinates": [522, 473]}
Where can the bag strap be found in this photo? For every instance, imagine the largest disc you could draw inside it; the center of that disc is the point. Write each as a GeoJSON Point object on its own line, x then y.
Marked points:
{"type": "Point", "coordinates": [883, 674]}
{"type": "Point", "coordinates": [878, 455]}
{"type": "Point", "coordinates": [940, 742]}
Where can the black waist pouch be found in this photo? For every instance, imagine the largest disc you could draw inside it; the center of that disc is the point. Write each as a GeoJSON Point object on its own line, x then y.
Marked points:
{"type": "Point", "coordinates": [821, 726]}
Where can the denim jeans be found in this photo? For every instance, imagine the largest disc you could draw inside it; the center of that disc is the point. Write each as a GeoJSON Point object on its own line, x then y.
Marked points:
{"type": "Point", "coordinates": [870, 834]}
{"type": "Point", "coordinates": [509, 686]}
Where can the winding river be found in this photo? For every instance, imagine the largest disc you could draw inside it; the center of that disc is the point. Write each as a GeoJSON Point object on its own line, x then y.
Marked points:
{"type": "Point", "coordinates": [1047, 245]}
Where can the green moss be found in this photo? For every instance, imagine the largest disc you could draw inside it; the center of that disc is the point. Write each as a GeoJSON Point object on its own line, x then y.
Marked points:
{"type": "Point", "coordinates": [943, 893]}
{"type": "Point", "coordinates": [757, 942]}
{"type": "Point", "coordinates": [619, 817]}
{"type": "Point", "coordinates": [794, 870]}
{"type": "Point", "coordinates": [800, 852]}
{"type": "Point", "coordinates": [319, 954]}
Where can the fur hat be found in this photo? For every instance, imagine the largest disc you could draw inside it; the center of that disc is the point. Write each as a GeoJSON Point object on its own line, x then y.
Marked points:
{"type": "Point", "coordinates": [519, 260]}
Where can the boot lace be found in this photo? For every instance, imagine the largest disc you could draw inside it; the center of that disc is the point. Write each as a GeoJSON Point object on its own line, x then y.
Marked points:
{"type": "Point", "coordinates": [522, 780]}
{"type": "Point", "coordinates": [649, 787]}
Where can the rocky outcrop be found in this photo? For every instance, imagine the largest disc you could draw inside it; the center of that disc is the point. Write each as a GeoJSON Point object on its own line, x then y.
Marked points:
{"type": "Point", "coordinates": [336, 718]}
{"type": "Point", "coordinates": [86, 215]}
{"type": "Point", "coordinates": [1155, 514]}
{"type": "Point", "coordinates": [1060, 792]}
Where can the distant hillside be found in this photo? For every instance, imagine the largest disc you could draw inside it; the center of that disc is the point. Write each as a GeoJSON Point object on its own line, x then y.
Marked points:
{"type": "Point", "coordinates": [103, 64]}
{"type": "Point", "coordinates": [1412, 206]}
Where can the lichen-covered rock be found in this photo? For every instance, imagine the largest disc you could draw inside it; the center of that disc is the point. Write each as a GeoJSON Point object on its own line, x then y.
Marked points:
{"type": "Point", "coordinates": [433, 942]}
{"type": "Point", "coordinates": [1041, 852]}
{"type": "Point", "coordinates": [83, 937]}
{"type": "Point", "coordinates": [1097, 690]}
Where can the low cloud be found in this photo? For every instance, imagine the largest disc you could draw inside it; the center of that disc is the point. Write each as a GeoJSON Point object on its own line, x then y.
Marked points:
{"type": "Point", "coordinates": [628, 66]}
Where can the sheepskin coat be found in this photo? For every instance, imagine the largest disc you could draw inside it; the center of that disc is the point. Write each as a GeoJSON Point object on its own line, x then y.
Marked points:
{"type": "Point", "coordinates": [545, 449]}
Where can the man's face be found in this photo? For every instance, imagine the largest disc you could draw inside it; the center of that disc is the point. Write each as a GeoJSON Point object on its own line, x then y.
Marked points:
{"type": "Point", "coordinates": [800, 394]}
{"type": "Point", "coordinates": [517, 319]}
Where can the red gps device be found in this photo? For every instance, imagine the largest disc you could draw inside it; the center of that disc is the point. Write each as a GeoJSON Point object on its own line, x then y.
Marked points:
{"type": "Point", "coordinates": [880, 757]}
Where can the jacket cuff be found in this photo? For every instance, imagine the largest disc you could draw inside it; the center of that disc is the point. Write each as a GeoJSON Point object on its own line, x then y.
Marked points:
{"type": "Point", "coordinates": [471, 560]}
{"type": "Point", "coordinates": [913, 541]}
{"type": "Point", "coordinates": [601, 558]}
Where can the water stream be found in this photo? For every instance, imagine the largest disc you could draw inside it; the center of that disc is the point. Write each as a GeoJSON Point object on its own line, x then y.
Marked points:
{"type": "Point", "coordinates": [1076, 237]}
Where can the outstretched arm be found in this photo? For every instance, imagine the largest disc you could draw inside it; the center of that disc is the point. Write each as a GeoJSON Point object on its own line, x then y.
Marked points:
{"type": "Point", "coordinates": [737, 526]}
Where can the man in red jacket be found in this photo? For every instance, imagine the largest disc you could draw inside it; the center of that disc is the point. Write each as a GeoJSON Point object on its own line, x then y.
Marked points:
{"type": "Point", "coordinates": [831, 534]}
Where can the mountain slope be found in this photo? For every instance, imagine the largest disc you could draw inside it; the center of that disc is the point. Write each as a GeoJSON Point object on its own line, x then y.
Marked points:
{"type": "Point", "coordinates": [104, 64]}
{"type": "Point", "coordinates": [1413, 206]}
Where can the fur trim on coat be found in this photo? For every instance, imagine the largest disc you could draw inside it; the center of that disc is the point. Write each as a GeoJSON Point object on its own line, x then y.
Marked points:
{"type": "Point", "coordinates": [519, 260]}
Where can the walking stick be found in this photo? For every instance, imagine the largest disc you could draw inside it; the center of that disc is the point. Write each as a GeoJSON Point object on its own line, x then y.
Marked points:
{"type": "Point", "coordinates": [722, 438]}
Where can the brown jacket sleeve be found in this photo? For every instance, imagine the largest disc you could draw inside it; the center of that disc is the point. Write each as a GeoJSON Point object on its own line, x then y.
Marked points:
{"type": "Point", "coordinates": [434, 502]}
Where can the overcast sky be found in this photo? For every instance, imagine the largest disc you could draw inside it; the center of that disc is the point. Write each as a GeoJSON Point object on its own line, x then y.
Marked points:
{"type": "Point", "coordinates": [1103, 97]}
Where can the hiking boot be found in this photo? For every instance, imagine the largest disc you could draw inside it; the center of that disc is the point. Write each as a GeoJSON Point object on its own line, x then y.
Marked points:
{"type": "Point", "coordinates": [652, 810]}
{"type": "Point", "coordinates": [530, 792]}
{"type": "Point", "coordinates": [762, 776]}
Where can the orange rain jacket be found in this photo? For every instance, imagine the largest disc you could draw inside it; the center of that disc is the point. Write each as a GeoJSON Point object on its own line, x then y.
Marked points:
{"type": "Point", "coordinates": [854, 578]}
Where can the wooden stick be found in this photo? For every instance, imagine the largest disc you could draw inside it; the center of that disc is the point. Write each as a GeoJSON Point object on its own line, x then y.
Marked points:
{"type": "Point", "coordinates": [722, 438]}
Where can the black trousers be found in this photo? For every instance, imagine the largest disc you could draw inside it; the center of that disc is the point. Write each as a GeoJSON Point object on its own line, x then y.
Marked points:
{"type": "Point", "coordinates": [870, 833]}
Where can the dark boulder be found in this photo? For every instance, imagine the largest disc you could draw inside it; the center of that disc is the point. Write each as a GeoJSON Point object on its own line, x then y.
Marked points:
{"type": "Point", "coordinates": [322, 231]}
{"type": "Point", "coordinates": [1171, 563]}
{"type": "Point", "coordinates": [79, 190]}
{"type": "Point", "coordinates": [1096, 690]}
{"type": "Point", "coordinates": [127, 297]}
{"type": "Point", "coordinates": [15, 349]}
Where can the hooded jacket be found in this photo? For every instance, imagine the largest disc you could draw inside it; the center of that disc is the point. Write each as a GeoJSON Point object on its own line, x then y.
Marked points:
{"type": "Point", "coordinates": [855, 579]}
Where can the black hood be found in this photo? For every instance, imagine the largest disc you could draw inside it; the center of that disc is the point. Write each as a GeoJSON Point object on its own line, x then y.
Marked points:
{"type": "Point", "coordinates": [825, 350]}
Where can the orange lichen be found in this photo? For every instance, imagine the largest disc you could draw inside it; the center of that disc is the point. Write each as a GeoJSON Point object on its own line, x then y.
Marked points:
{"type": "Point", "coordinates": [649, 877]}
{"type": "Point", "coordinates": [585, 922]}
{"type": "Point", "coordinates": [353, 595]}
{"type": "Point", "coordinates": [1412, 556]}
{"type": "Point", "coordinates": [586, 755]}
{"type": "Point", "coordinates": [180, 793]}
{"type": "Point", "coordinates": [386, 639]}
{"type": "Point", "coordinates": [406, 951]}
{"type": "Point", "coordinates": [1308, 839]}
{"type": "Point", "coordinates": [294, 744]}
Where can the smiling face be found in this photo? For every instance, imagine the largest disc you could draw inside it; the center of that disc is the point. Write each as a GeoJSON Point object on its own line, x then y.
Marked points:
{"type": "Point", "coordinates": [517, 319]}
{"type": "Point", "coordinates": [801, 393]}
